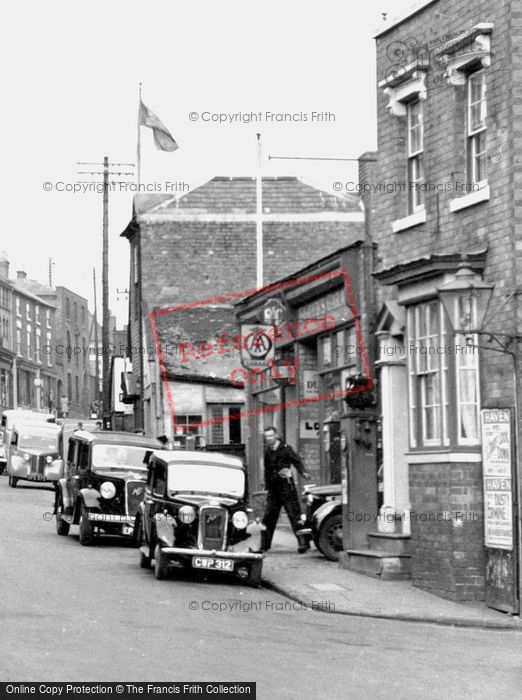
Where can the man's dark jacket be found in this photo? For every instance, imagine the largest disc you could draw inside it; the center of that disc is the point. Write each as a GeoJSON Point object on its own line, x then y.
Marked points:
{"type": "Point", "coordinates": [280, 458]}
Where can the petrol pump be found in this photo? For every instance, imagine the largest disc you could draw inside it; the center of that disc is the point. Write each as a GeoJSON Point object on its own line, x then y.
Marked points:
{"type": "Point", "coordinates": [359, 463]}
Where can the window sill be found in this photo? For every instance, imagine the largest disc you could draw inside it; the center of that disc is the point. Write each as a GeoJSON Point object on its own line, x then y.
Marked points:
{"type": "Point", "coordinates": [469, 200]}
{"type": "Point", "coordinates": [419, 217]}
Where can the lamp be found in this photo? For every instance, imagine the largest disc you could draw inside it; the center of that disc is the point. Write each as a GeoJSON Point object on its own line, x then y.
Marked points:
{"type": "Point", "coordinates": [466, 300]}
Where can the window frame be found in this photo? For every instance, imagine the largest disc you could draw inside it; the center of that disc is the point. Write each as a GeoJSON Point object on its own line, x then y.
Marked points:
{"type": "Point", "coordinates": [415, 156]}
{"type": "Point", "coordinates": [475, 150]}
{"type": "Point", "coordinates": [446, 365]}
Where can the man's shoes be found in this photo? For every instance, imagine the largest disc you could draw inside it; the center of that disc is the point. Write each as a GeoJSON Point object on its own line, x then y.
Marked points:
{"type": "Point", "coordinates": [303, 544]}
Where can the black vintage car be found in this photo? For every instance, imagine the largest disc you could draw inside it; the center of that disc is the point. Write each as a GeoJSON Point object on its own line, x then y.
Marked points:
{"type": "Point", "coordinates": [103, 484]}
{"type": "Point", "coordinates": [194, 513]}
{"type": "Point", "coordinates": [324, 518]}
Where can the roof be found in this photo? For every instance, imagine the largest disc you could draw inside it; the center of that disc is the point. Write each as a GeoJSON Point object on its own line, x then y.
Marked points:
{"type": "Point", "coordinates": [405, 14]}
{"type": "Point", "coordinates": [303, 272]}
{"type": "Point", "coordinates": [24, 423]}
{"type": "Point", "coordinates": [184, 456]}
{"type": "Point", "coordinates": [237, 196]}
{"type": "Point", "coordinates": [32, 289]}
{"type": "Point", "coordinates": [429, 266]}
{"type": "Point", "coordinates": [112, 437]}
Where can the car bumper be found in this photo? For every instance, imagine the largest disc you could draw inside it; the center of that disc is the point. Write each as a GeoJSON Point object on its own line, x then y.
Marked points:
{"type": "Point", "coordinates": [237, 556]}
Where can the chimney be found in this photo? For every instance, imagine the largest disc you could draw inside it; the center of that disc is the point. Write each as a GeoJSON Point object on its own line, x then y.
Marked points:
{"type": "Point", "coordinates": [4, 266]}
{"type": "Point", "coordinates": [21, 274]}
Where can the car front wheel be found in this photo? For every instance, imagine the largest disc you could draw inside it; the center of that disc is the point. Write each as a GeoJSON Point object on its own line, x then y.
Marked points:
{"type": "Point", "coordinates": [62, 526]}
{"type": "Point", "coordinates": [161, 564]}
{"type": "Point", "coordinates": [254, 573]}
{"type": "Point", "coordinates": [330, 538]}
{"type": "Point", "coordinates": [86, 528]}
{"type": "Point", "coordinates": [12, 481]}
{"type": "Point", "coordinates": [145, 561]}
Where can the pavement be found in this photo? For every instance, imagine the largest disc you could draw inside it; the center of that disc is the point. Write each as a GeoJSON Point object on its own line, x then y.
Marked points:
{"type": "Point", "coordinates": [322, 585]}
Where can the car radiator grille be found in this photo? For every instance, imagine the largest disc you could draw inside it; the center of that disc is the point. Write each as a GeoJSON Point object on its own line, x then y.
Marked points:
{"type": "Point", "coordinates": [212, 527]}
{"type": "Point", "coordinates": [37, 464]}
{"type": "Point", "coordinates": [134, 491]}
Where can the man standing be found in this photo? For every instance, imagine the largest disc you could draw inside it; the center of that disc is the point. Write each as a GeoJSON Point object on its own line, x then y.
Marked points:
{"type": "Point", "coordinates": [280, 484]}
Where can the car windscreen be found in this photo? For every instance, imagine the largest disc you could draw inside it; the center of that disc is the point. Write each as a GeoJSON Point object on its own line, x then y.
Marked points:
{"type": "Point", "coordinates": [118, 457]}
{"type": "Point", "coordinates": [206, 478]}
{"type": "Point", "coordinates": [38, 440]}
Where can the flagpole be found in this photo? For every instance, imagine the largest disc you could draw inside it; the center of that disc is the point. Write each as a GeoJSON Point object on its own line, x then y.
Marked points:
{"type": "Point", "coordinates": [138, 161]}
{"type": "Point", "coordinates": [259, 217]}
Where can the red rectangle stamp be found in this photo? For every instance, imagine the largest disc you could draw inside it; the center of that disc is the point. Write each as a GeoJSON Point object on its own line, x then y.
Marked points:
{"type": "Point", "coordinates": [208, 344]}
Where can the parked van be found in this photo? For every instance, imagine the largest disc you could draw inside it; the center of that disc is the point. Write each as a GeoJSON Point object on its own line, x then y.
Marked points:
{"type": "Point", "coordinates": [9, 418]}
{"type": "Point", "coordinates": [35, 452]}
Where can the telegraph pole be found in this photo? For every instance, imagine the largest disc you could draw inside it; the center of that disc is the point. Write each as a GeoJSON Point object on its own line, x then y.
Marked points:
{"type": "Point", "coordinates": [106, 392]}
{"type": "Point", "coordinates": [106, 396]}
{"type": "Point", "coordinates": [97, 362]}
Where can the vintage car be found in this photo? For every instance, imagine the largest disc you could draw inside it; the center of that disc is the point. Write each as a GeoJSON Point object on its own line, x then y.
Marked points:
{"type": "Point", "coordinates": [194, 513]}
{"type": "Point", "coordinates": [35, 452]}
{"type": "Point", "coordinates": [103, 483]}
{"type": "Point", "coordinates": [9, 417]}
{"type": "Point", "coordinates": [324, 518]}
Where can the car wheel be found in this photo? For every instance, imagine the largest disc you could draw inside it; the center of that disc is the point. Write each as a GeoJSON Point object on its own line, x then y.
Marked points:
{"type": "Point", "coordinates": [62, 526]}
{"type": "Point", "coordinates": [12, 481]}
{"type": "Point", "coordinates": [2, 467]}
{"type": "Point", "coordinates": [145, 561]}
{"type": "Point", "coordinates": [331, 537]}
{"type": "Point", "coordinates": [161, 564]}
{"type": "Point", "coordinates": [86, 528]}
{"type": "Point", "coordinates": [254, 574]}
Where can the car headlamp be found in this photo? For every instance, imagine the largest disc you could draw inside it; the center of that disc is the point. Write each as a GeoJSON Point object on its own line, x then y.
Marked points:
{"type": "Point", "coordinates": [240, 520]}
{"type": "Point", "coordinates": [107, 489]}
{"type": "Point", "coordinates": [309, 498]}
{"type": "Point", "coordinates": [27, 457]}
{"type": "Point", "coordinates": [186, 514]}
{"type": "Point", "coordinates": [48, 459]}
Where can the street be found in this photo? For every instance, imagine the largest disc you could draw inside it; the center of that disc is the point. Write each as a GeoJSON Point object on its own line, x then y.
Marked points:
{"type": "Point", "coordinates": [91, 614]}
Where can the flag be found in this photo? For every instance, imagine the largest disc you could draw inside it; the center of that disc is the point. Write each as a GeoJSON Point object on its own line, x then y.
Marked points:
{"type": "Point", "coordinates": [162, 136]}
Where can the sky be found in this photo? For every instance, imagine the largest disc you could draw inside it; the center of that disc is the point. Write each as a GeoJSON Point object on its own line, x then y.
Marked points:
{"type": "Point", "coordinates": [70, 85]}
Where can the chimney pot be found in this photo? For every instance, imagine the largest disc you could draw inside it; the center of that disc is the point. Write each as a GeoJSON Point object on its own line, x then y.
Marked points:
{"type": "Point", "coordinates": [21, 274]}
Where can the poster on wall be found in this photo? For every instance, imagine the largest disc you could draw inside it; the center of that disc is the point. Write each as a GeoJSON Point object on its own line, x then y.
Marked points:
{"type": "Point", "coordinates": [496, 462]}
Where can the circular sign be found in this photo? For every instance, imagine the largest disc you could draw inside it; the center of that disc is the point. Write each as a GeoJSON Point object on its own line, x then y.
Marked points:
{"type": "Point", "coordinates": [258, 344]}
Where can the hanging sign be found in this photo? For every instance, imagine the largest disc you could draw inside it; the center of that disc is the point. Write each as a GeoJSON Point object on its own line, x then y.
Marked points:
{"type": "Point", "coordinates": [257, 345]}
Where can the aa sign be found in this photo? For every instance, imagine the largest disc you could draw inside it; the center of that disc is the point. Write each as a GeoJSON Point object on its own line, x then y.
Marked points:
{"type": "Point", "coordinates": [257, 345]}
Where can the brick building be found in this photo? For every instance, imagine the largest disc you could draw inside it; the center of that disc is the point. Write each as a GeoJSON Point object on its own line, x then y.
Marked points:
{"type": "Point", "coordinates": [203, 245]}
{"type": "Point", "coordinates": [447, 185]}
{"type": "Point", "coordinates": [71, 350]}
{"type": "Point", "coordinates": [27, 371]}
{"type": "Point", "coordinates": [6, 335]}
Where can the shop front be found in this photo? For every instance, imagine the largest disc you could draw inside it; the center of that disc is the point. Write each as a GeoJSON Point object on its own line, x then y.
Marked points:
{"type": "Point", "coordinates": [318, 336]}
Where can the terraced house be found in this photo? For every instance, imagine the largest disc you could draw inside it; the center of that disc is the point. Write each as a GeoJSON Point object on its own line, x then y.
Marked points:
{"type": "Point", "coordinates": [446, 217]}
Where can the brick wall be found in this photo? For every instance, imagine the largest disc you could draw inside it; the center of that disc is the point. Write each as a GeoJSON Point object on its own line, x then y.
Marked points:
{"type": "Point", "coordinates": [448, 555]}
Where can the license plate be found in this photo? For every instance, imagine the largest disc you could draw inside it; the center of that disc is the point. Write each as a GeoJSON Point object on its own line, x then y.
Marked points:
{"type": "Point", "coordinates": [36, 477]}
{"type": "Point", "coordinates": [212, 563]}
{"type": "Point", "coordinates": [126, 530]}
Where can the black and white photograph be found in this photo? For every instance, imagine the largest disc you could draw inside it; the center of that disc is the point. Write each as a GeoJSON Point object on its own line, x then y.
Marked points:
{"type": "Point", "coordinates": [261, 349]}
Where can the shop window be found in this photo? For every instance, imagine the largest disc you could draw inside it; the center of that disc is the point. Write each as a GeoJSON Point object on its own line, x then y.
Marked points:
{"type": "Point", "coordinates": [443, 382]}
